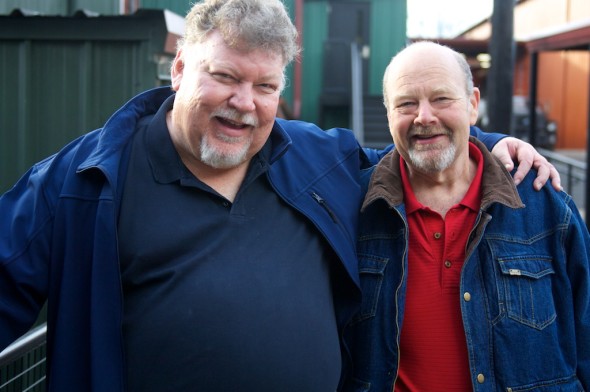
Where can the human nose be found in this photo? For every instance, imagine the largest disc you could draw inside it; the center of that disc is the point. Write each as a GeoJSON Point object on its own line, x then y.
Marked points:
{"type": "Point", "coordinates": [425, 114]}
{"type": "Point", "coordinates": [242, 98]}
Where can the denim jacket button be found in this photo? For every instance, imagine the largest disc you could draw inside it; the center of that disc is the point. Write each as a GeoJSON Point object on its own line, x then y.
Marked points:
{"type": "Point", "coordinates": [467, 298]}
{"type": "Point", "coordinates": [480, 378]}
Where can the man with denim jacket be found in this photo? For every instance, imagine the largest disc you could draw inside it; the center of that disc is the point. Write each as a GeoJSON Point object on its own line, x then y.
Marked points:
{"type": "Point", "coordinates": [469, 282]}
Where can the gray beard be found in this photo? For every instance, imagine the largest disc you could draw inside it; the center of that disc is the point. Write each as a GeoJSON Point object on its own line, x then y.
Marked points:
{"type": "Point", "coordinates": [433, 164]}
{"type": "Point", "coordinates": [217, 159]}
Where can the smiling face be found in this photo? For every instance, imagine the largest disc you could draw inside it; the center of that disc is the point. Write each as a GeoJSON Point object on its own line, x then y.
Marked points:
{"type": "Point", "coordinates": [225, 104]}
{"type": "Point", "coordinates": [428, 107]}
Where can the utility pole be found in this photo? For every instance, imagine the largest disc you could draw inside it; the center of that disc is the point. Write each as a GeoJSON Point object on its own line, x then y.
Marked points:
{"type": "Point", "coordinates": [500, 83]}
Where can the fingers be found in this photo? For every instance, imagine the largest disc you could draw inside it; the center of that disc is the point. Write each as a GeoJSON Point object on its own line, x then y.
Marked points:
{"type": "Point", "coordinates": [510, 148]}
{"type": "Point", "coordinates": [524, 166]}
{"type": "Point", "coordinates": [555, 179]}
{"type": "Point", "coordinates": [526, 156]}
{"type": "Point", "coordinates": [502, 151]}
{"type": "Point", "coordinates": [542, 176]}
{"type": "Point", "coordinates": [546, 171]}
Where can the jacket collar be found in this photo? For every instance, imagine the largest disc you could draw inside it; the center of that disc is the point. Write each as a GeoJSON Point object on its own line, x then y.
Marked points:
{"type": "Point", "coordinates": [119, 129]}
{"type": "Point", "coordinates": [497, 185]}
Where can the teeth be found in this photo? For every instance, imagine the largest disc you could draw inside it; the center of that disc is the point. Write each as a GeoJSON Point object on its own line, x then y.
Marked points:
{"type": "Point", "coordinates": [235, 124]}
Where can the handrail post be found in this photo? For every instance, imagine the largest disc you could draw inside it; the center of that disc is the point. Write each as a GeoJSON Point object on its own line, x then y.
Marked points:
{"type": "Point", "coordinates": [357, 117]}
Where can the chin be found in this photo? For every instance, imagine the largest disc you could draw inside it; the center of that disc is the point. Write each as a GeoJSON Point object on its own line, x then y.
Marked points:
{"type": "Point", "coordinates": [219, 158]}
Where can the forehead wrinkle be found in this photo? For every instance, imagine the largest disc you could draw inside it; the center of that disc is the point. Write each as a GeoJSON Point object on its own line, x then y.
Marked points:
{"type": "Point", "coordinates": [440, 76]}
{"type": "Point", "coordinates": [260, 74]}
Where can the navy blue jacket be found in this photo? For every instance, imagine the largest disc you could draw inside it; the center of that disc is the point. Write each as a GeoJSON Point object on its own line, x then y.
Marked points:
{"type": "Point", "coordinates": [58, 236]}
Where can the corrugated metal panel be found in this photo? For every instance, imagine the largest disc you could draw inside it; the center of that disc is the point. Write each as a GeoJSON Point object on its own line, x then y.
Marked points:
{"type": "Point", "coordinates": [62, 77]}
{"type": "Point", "coordinates": [179, 7]}
{"type": "Point", "coordinates": [10, 115]}
{"type": "Point", "coordinates": [60, 7]}
{"type": "Point", "coordinates": [42, 6]}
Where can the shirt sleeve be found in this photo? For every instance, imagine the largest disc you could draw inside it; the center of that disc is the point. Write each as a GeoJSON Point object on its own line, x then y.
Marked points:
{"type": "Point", "coordinates": [24, 249]}
{"type": "Point", "coordinates": [488, 139]}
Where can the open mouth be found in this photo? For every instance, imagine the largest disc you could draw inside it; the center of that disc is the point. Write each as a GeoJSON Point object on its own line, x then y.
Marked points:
{"type": "Point", "coordinates": [427, 137]}
{"type": "Point", "coordinates": [232, 124]}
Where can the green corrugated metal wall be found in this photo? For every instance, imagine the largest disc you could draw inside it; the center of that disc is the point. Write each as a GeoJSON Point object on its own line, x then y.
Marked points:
{"type": "Point", "coordinates": [43, 108]}
{"type": "Point", "coordinates": [60, 7]}
{"type": "Point", "coordinates": [179, 7]}
{"type": "Point", "coordinates": [62, 77]}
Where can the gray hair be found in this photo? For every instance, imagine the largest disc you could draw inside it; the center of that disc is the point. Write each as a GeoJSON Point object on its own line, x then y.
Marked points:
{"type": "Point", "coordinates": [461, 60]}
{"type": "Point", "coordinates": [244, 24]}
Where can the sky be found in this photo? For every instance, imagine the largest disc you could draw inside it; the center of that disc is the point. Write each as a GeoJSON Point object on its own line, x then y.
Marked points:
{"type": "Point", "coordinates": [445, 18]}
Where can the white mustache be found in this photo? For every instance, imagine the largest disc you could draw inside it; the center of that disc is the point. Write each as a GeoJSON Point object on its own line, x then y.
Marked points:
{"type": "Point", "coordinates": [427, 131]}
{"type": "Point", "coordinates": [237, 117]}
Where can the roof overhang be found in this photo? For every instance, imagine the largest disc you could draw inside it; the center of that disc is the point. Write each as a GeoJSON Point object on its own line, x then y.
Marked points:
{"type": "Point", "coordinates": [469, 47]}
{"type": "Point", "coordinates": [571, 36]}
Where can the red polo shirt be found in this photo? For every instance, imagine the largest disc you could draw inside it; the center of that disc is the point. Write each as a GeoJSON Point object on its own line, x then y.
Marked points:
{"type": "Point", "coordinates": [433, 352]}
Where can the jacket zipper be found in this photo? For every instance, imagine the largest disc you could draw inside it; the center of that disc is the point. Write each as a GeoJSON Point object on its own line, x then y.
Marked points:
{"type": "Point", "coordinates": [320, 200]}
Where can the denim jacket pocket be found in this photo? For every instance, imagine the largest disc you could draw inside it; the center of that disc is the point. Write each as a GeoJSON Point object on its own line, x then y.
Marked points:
{"type": "Point", "coordinates": [527, 286]}
{"type": "Point", "coordinates": [372, 272]}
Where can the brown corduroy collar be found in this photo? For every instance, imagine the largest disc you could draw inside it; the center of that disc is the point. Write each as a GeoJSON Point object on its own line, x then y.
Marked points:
{"type": "Point", "coordinates": [497, 184]}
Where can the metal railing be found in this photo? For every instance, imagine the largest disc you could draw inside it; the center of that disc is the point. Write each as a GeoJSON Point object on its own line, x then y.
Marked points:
{"type": "Point", "coordinates": [573, 176]}
{"type": "Point", "coordinates": [22, 364]}
{"type": "Point", "coordinates": [573, 171]}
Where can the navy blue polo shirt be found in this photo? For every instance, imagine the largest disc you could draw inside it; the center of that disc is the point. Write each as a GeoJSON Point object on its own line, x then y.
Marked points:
{"type": "Point", "coordinates": [220, 296]}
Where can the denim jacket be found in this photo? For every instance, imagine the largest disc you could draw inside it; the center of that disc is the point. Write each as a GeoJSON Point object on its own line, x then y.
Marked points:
{"type": "Point", "coordinates": [524, 287]}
